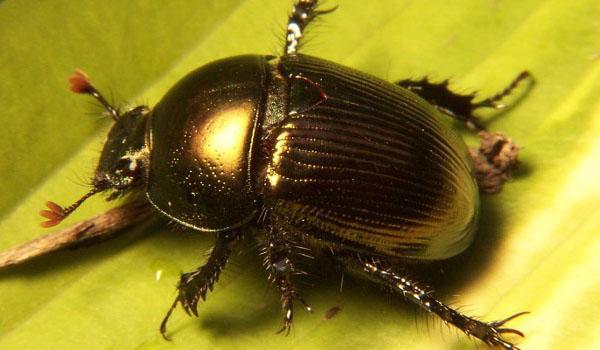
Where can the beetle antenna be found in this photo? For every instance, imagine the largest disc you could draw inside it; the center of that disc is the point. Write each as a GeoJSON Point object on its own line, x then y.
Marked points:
{"type": "Point", "coordinates": [80, 83]}
{"type": "Point", "coordinates": [57, 214]}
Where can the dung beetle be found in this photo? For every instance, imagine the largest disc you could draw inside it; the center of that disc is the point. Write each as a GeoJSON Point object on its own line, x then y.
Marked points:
{"type": "Point", "coordinates": [320, 159]}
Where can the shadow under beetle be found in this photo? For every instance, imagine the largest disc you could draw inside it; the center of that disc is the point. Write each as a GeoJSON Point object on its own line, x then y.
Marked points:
{"type": "Point", "coordinates": [323, 159]}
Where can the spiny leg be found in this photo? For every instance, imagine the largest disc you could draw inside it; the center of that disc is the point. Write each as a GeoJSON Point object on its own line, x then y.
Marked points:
{"type": "Point", "coordinates": [279, 251]}
{"type": "Point", "coordinates": [303, 12]}
{"type": "Point", "coordinates": [490, 333]}
{"type": "Point", "coordinates": [457, 105]}
{"type": "Point", "coordinates": [494, 101]}
{"type": "Point", "coordinates": [497, 156]}
{"type": "Point", "coordinates": [194, 285]}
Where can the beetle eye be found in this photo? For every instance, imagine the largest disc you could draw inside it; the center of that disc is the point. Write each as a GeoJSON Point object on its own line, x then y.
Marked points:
{"type": "Point", "coordinates": [123, 163]}
{"type": "Point", "coordinates": [127, 166]}
{"type": "Point", "coordinates": [125, 172]}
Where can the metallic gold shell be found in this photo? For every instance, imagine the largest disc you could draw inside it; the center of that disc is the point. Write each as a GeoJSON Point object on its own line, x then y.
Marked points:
{"type": "Point", "coordinates": [370, 167]}
{"type": "Point", "coordinates": [201, 137]}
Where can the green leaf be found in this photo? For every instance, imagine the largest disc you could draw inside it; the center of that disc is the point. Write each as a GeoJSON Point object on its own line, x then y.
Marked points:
{"type": "Point", "coordinates": [538, 247]}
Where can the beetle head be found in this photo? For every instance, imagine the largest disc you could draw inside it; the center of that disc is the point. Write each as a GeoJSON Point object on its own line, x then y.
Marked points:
{"type": "Point", "coordinates": [122, 162]}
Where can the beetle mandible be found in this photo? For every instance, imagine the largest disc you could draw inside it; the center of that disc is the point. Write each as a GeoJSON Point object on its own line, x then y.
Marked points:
{"type": "Point", "coordinates": [321, 158]}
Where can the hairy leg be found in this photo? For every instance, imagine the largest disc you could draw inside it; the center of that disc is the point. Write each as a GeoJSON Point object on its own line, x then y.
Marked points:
{"type": "Point", "coordinates": [280, 252]}
{"type": "Point", "coordinates": [303, 13]}
{"type": "Point", "coordinates": [460, 106]}
{"type": "Point", "coordinates": [194, 285]}
{"type": "Point", "coordinates": [381, 272]}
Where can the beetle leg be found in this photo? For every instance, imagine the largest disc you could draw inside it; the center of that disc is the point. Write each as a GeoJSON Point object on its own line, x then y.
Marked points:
{"type": "Point", "coordinates": [494, 101]}
{"type": "Point", "coordinates": [490, 333]}
{"type": "Point", "coordinates": [303, 12]}
{"type": "Point", "coordinates": [194, 285]}
{"type": "Point", "coordinates": [457, 105]}
{"type": "Point", "coordinates": [279, 262]}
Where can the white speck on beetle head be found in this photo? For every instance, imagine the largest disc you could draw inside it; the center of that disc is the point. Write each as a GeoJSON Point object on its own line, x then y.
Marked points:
{"type": "Point", "coordinates": [158, 274]}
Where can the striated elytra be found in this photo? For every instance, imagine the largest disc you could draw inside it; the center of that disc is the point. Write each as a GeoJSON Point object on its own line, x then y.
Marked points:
{"type": "Point", "coordinates": [319, 159]}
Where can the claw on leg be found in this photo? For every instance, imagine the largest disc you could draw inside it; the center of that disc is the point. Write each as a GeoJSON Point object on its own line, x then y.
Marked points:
{"type": "Point", "coordinates": [194, 285]}
{"type": "Point", "coordinates": [287, 319]}
{"type": "Point", "coordinates": [490, 333]}
{"type": "Point", "coordinates": [494, 335]}
{"type": "Point", "coordinates": [189, 293]}
{"type": "Point", "coordinates": [281, 254]}
{"type": "Point", "coordinates": [303, 13]}
{"type": "Point", "coordinates": [494, 101]}
{"type": "Point", "coordinates": [163, 324]}
{"type": "Point", "coordinates": [287, 304]}
{"type": "Point", "coordinates": [496, 327]}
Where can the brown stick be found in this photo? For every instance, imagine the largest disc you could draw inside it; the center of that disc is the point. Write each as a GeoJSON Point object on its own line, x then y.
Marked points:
{"type": "Point", "coordinates": [106, 225]}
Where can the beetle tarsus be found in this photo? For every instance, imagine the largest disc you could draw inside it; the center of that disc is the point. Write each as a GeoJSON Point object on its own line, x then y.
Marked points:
{"type": "Point", "coordinates": [194, 285]}
{"type": "Point", "coordinates": [460, 106]}
{"type": "Point", "coordinates": [303, 13]}
{"type": "Point", "coordinates": [288, 309]}
{"type": "Point", "coordinates": [494, 101]}
{"type": "Point", "coordinates": [490, 333]}
{"type": "Point", "coordinates": [279, 251]}
{"type": "Point", "coordinates": [163, 324]}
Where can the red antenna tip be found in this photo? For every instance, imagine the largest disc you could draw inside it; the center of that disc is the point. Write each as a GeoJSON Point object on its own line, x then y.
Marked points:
{"type": "Point", "coordinates": [79, 82]}
{"type": "Point", "coordinates": [55, 215]}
